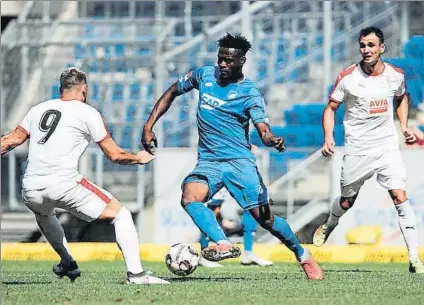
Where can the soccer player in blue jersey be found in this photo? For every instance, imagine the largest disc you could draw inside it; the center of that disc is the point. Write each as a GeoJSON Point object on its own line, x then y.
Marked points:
{"type": "Point", "coordinates": [227, 102]}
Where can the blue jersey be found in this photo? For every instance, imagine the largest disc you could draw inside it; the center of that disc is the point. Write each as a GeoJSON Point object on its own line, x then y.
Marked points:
{"type": "Point", "coordinates": [223, 114]}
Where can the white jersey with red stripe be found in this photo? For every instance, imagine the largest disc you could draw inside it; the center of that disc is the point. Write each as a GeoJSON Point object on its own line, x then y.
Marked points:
{"type": "Point", "coordinates": [59, 132]}
{"type": "Point", "coordinates": [368, 120]}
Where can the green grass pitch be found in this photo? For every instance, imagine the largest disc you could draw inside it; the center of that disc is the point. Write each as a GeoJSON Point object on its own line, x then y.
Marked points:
{"type": "Point", "coordinates": [30, 282]}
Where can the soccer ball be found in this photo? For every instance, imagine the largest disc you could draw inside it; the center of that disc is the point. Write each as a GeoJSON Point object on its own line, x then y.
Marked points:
{"type": "Point", "coordinates": [182, 259]}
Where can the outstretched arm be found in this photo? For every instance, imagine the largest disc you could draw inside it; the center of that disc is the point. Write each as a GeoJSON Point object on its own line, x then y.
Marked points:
{"type": "Point", "coordinates": [268, 138]}
{"type": "Point", "coordinates": [12, 140]}
{"type": "Point", "coordinates": [119, 155]}
{"type": "Point", "coordinates": [161, 106]}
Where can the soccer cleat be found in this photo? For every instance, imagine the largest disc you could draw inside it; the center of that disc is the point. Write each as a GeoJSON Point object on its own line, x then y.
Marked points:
{"type": "Point", "coordinates": [416, 266]}
{"type": "Point", "coordinates": [208, 264]}
{"type": "Point", "coordinates": [252, 259]}
{"type": "Point", "coordinates": [144, 279]}
{"type": "Point", "coordinates": [321, 234]}
{"type": "Point", "coordinates": [71, 270]}
{"type": "Point", "coordinates": [220, 252]}
{"type": "Point", "coordinates": [311, 268]}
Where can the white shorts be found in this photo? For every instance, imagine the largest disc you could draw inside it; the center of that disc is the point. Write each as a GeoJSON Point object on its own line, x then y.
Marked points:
{"type": "Point", "coordinates": [389, 166]}
{"type": "Point", "coordinates": [84, 200]}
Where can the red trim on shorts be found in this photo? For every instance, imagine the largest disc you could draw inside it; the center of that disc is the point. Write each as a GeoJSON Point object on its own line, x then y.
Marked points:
{"type": "Point", "coordinates": [23, 130]}
{"type": "Point", "coordinates": [341, 76]}
{"type": "Point", "coordinates": [85, 183]}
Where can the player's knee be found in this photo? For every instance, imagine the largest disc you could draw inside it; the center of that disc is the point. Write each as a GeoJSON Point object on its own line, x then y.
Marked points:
{"type": "Point", "coordinates": [111, 210]}
{"type": "Point", "coordinates": [266, 221]}
{"type": "Point", "coordinates": [188, 198]}
{"type": "Point", "coordinates": [347, 202]}
{"type": "Point", "coordinates": [398, 196]}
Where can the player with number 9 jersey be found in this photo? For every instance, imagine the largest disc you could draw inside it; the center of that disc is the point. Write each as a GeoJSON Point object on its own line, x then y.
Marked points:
{"type": "Point", "coordinates": [60, 131]}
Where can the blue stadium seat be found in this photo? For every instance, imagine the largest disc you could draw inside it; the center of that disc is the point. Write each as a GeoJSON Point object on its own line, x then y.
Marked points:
{"type": "Point", "coordinates": [117, 92]}
{"type": "Point", "coordinates": [300, 73]}
{"type": "Point", "coordinates": [79, 51]}
{"type": "Point", "coordinates": [93, 65]}
{"type": "Point", "coordinates": [126, 139]}
{"type": "Point", "coordinates": [150, 92]}
{"type": "Point", "coordinates": [88, 31]}
{"type": "Point", "coordinates": [421, 127]}
{"type": "Point", "coordinates": [143, 51]}
{"type": "Point", "coordinates": [107, 50]}
{"type": "Point", "coordinates": [135, 91]}
{"type": "Point", "coordinates": [94, 91]}
{"type": "Point", "coordinates": [119, 50]}
{"type": "Point", "coordinates": [121, 65]}
{"type": "Point", "coordinates": [131, 112]}
{"type": "Point", "coordinates": [55, 91]}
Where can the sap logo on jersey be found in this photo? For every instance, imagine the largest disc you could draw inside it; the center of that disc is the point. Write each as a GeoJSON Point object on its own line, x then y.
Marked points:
{"type": "Point", "coordinates": [210, 102]}
{"type": "Point", "coordinates": [378, 106]}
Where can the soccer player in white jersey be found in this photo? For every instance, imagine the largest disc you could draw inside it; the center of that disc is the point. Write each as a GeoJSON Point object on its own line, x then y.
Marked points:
{"type": "Point", "coordinates": [59, 131]}
{"type": "Point", "coordinates": [369, 90]}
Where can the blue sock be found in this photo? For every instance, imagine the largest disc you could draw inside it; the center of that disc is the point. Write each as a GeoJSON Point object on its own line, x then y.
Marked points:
{"type": "Point", "coordinates": [283, 232]}
{"type": "Point", "coordinates": [205, 220]}
{"type": "Point", "coordinates": [204, 241]}
{"type": "Point", "coordinates": [249, 229]}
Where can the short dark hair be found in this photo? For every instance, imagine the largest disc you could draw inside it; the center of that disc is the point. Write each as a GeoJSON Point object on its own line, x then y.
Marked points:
{"type": "Point", "coordinates": [372, 29]}
{"type": "Point", "coordinates": [71, 77]}
{"type": "Point", "coordinates": [238, 42]}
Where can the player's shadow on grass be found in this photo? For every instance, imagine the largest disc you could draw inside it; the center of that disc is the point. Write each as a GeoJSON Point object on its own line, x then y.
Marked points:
{"type": "Point", "coordinates": [26, 282]}
{"type": "Point", "coordinates": [203, 279]}
{"type": "Point", "coordinates": [347, 271]}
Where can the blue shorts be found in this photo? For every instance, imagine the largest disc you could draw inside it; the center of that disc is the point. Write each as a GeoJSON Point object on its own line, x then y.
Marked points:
{"type": "Point", "coordinates": [240, 176]}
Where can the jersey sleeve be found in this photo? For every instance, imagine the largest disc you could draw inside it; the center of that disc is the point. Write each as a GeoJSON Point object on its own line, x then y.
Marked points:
{"type": "Point", "coordinates": [97, 127]}
{"type": "Point", "coordinates": [255, 108]}
{"type": "Point", "coordinates": [190, 81]}
{"type": "Point", "coordinates": [25, 125]}
{"type": "Point", "coordinates": [337, 94]}
{"type": "Point", "coordinates": [402, 87]}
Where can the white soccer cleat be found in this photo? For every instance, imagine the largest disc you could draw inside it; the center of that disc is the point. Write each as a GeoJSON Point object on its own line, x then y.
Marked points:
{"type": "Point", "coordinates": [321, 234]}
{"type": "Point", "coordinates": [416, 266]}
{"type": "Point", "coordinates": [144, 279]}
{"type": "Point", "coordinates": [209, 264]}
{"type": "Point", "coordinates": [252, 259]}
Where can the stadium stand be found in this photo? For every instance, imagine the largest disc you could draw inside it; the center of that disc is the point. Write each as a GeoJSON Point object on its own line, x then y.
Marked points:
{"type": "Point", "coordinates": [117, 46]}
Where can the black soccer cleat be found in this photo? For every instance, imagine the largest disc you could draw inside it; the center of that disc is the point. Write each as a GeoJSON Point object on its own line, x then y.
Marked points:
{"type": "Point", "coordinates": [72, 271]}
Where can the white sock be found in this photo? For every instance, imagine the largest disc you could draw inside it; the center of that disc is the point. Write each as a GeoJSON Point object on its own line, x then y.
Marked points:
{"type": "Point", "coordinates": [53, 231]}
{"type": "Point", "coordinates": [408, 226]}
{"type": "Point", "coordinates": [305, 256]}
{"type": "Point", "coordinates": [223, 242]}
{"type": "Point", "coordinates": [336, 212]}
{"type": "Point", "coordinates": [127, 240]}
